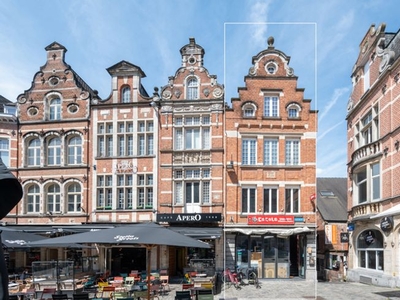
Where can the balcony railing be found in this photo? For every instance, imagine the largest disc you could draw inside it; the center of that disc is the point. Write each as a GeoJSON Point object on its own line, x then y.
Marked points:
{"type": "Point", "coordinates": [366, 152]}
{"type": "Point", "coordinates": [366, 209]}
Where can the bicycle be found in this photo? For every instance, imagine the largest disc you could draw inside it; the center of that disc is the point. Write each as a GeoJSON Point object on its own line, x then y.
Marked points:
{"type": "Point", "coordinates": [230, 278]}
{"type": "Point", "coordinates": [253, 279]}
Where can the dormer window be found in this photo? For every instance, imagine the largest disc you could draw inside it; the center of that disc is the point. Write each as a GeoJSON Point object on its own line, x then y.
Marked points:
{"type": "Point", "coordinates": [249, 110]}
{"type": "Point", "coordinates": [55, 109]}
{"type": "Point", "coordinates": [192, 88]}
{"type": "Point", "coordinates": [126, 95]}
{"type": "Point", "coordinates": [293, 110]}
{"type": "Point", "coordinates": [271, 68]}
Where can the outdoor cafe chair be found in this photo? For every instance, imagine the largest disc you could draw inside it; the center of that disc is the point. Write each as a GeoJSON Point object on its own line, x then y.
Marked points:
{"type": "Point", "coordinates": [81, 296]}
{"type": "Point", "coordinates": [47, 293]}
{"type": "Point", "coordinates": [60, 297]}
{"type": "Point", "coordinates": [165, 283]}
{"type": "Point", "coordinates": [183, 295]}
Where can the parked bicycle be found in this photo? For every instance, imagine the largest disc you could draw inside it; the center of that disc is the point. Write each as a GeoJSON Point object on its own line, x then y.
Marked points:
{"type": "Point", "coordinates": [240, 278]}
{"type": "Point", "coordinates": [230, 278]}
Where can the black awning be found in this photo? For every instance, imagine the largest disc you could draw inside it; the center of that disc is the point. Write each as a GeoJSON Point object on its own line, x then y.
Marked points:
{"type": "Point", "coordinates": [199, 232]}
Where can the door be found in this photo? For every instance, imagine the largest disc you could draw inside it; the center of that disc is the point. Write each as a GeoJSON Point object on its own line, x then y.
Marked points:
{"type": "Point", "coordinates": [276, 261]}
{"type": "Point", "coordinates": [283, 262]}
{"type": "Point", "coordinates": [192, 197]}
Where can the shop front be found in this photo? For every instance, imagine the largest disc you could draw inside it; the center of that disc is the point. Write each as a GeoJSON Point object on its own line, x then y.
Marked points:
{"type": "Point", "coordinates": [273, 252]}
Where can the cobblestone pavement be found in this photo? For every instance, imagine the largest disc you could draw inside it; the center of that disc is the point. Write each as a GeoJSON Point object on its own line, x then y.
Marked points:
{"type": "Point", "coordinates": [292, 289]}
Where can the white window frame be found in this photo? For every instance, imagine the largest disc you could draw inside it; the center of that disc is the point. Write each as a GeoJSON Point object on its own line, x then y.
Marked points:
{"type": "Point", "coordinates": [53, 198]}
{"type": "Point", "coordinates": [249, 199]}
{"type": "Point", "coordinates": [367, 188]}
{"type": "Point", "coordinates": [192, 132]}
{"type": "Point", "coordinates": [33, 152]}
{"type": "Point", "coordinates": [271, 151]}
{"type": "Point", "coordinates": [249, 151]}
{"type": "Point", "coordinates": [54, 151]}
{"type": "Point", "coordinates": [271, 106]}
{"type": "Point", "coordinates": [292, 199]}
{"type": "Point", "coordinates": [74, 150]}
{"type": "Point", "coordinates": [192, 88]}
{"type": "Point", "coordinates": [5, 151]}
{"type": "Point", "coordinates": [292, 151]}
{"type": "Point", "coordinates": [55, 108]}
{"type": "Point", "coordinates": [271, 199]}
{"type": "Point", "coordinates": [189, 178]}
{"type": "Point", "coordinates": [126, 94]}
{"type": "Point", "coordinates": [33, 199]}
{"type": "Point", "coordinates": [74, 197]}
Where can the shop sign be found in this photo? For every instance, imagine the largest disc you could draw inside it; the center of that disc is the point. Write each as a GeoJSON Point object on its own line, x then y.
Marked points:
{"type": "Point", "coordinates": [191, 218]}
{"type": "Point", "coordinates": [350, 226]}
{"type": "Point", "coordinates": [387, 223]}
{"type": "Point", "coordinates": [369, 238]}
{"type": "Point", "coordinates": [270, 220]}
{"type": "Point", "coordinates": [344, 237]}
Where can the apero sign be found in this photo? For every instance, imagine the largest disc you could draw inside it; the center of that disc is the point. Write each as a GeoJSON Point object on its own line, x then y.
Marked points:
{"type": "Point", "coordinates": [189, 218]}
{"type": "Point", "coordinates": [270, 220]}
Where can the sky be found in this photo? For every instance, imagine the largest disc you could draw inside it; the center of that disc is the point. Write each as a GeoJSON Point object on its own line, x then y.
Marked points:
{"type": "Point", "coordinates": [321, 37]}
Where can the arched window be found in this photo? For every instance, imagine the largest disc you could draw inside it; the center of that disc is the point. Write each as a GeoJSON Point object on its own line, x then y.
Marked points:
{"type": "Point", "coordinates": [74, 197]}
{"type": "Point", "coordinates": [33, 158]}
{"type": "Point", "coordinates": [192, 88]}
{"type": "Point", "coordinates": [249, 110]}
{"type": "Point", "coordinates": [293, 110]}
{"type": "Point", "coordinates": [54, 152]}
{"type": "Point", "coordinates": [33, 199]}
{"type": "Point", "coordinates": [370, 249]}
{"type": "Point", "coordinates": [126, 95]}
{"type": "Point", "coordinates": [53, 199]}
{"type": "Point", "coordinates": [75, 150]}
{"type": "Point", "coordinates": [55, 109]}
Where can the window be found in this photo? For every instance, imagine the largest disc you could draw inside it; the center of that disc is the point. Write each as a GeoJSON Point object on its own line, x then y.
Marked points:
{"type": "Point", "coordinates": [270, 200]}
{"type": "Point", "coordinates": [248, 200]}
{"type": "Point", "coordinates": [124, 191]}
{"type": "Point", "coordinates": [55, 109]}
{"type": "Point", "coordinates": [145, 191]}
{"type": "Point", "coordinates": [74, 198]}
{"type": "Point", "coordinates": [270, 151]}
{"type": "Point", "coordinates": [249, 110]}
{"type": "Point", "coordinates": [145, 138]}
{"type": "Point", "coordinates": [292, 200]}
{"type": "Point", "coordinates": [367, 183]}
{"type": "Point", "coordinates": [249, 151]}
{"type": "Point", "coordinates": [271, 67]}
{"type": "Point", "coordinates": [126, 95]}
{"type": "Point", "coordinates": [293, 110]}
{"type": "Point", "coordinates": [370, 250]}
{"type": "Point", "coordinates": [34, 152]}
{"type": "Point", "coordinates": [104, 191]}
{"type": "Point", "coordinates": [53, 199]}
{"type": "Point", "coordinates": [75, 150]}
{"type": "Point", "coordinates": [5, 152]}
{"type": "Point", "coordinates": [33, 199]}
{"type": "Point", "coordinates": [192, 133]}
{"type": "Point", "coordinates": [292, 152]}
{"type": "Point", "coordinates": [271, 108]}
{"type": "Point", "coordinates": [105, 139]}
{"type": "Point", "coordinates": [125, 139]}
{"type": "Point", "coordinates": [192, 88]}
{"type": "Point", "coordinates": [54, 152]}
{"type": "Point", "coordinates": [366, 76]}
{"type": "Point", "coordinates": [367, 130]}
{"type": "Point", "coordinates": [193, 186]}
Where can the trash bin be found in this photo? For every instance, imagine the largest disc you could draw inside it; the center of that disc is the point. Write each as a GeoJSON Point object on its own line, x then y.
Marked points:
{"type": "Point", "coordinates": [217, 283]}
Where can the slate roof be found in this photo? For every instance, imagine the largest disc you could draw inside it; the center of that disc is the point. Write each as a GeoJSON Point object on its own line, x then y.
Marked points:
{"type": "Point", "coordinates": [333, 208]}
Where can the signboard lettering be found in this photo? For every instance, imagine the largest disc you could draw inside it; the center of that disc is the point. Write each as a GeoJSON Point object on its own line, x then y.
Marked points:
{"type": "Point", "coordinates": [193, 218]}
{"type": "Point", "coordinates": [270, 220]}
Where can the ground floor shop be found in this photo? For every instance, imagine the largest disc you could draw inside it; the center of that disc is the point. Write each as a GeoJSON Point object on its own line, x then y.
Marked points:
{"type": "Point", "coordinates": [271, 253]}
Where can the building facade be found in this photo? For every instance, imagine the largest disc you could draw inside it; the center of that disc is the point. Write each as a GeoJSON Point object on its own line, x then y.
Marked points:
{"type": "Point", "coordinates": [179, 156]}
{"type": "Point", "coordinates": [373, 158]}
{"type": "Point", "coordinates": [271, 172]}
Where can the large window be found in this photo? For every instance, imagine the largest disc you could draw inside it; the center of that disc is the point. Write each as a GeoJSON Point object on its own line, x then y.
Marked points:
{"type": "Point", "coordinates": [370, 250]}
{"type": "Point", "coordinates": [366, 130]}
{"type": "Point", "coordinates": [145, 138]}
{"type": "Point", "coordinates": [270, 200]}
{"type": "Point", "coordinates": [367, 183]}
{"type": "Point", "coordinates": [33, 199]}
{"type": "Point", "coordinates": [126, 95]}
{"type": "Point", "coordinates": [248, 200]}
{"type": "Point", "coordinates": [271, 106]}
{"type": "Point", "coordinates": [54, 152]}
{"type": "Point", "coordinates": [34, 152]}
{"type": "Point", "coordinates": [124, 191]}
{"type": "Point", "coordinates": [125, 139]}
{"type": "Point", "coordinates": [192, 185]}
{"type": "Point", "coordinates": [366, 76]}
{"type": "Point", "coordinates": [292, 200]}
{"type": "Point", "coordinates": [292, 152]}
{"type": "Point", "coordinates": [105, 139]}
{"type": "Point", "coordinates": [249, 146]}
{"type": "Point", "coordinates": [75, 150]}
{"type": "Point", "coordinates": [270, 151]}
{"type": "Point", "coordinates": [192, 132]}
{"type": "Point", "coordinates": [192, 88]}
{"type": "Point", "coordinates": [5, 151]}
{"type": "Point", "coordinates": [104, 192]}
{"type": "Point", "coordinates": [55, 109]}
{"type": "Point", "coordinates": [145, 196]}
{"type": "Point", "coordinates": [53, 199]}
{"type": "Point", "coordinates": [74, 197]}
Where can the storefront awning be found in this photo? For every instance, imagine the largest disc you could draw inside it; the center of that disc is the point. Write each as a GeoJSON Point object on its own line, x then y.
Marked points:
{"type": "Point", "coordinates": [395, 210]}
{"type": "Point", "coordinates": [280, 232]}
{"type": "Point", "coordinates": [199, 232]}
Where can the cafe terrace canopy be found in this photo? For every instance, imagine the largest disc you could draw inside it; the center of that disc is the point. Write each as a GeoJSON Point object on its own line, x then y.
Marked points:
{"type": "Point", "coordinates": [146, 235]}
{"type": "Point", "coordinates": [18, 239]}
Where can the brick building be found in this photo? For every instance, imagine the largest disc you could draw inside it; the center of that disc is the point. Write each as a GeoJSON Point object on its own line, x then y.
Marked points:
{"type": "Point", "coordinates": [373, 158]}
{"type": "Point", "coordinates": [180, 157]}
{"type": "Point", "coordinates": [271, 172]}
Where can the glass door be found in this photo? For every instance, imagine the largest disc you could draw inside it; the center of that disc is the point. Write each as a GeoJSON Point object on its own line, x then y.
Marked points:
{"type": "Point", "coordinates": [283, 262]}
